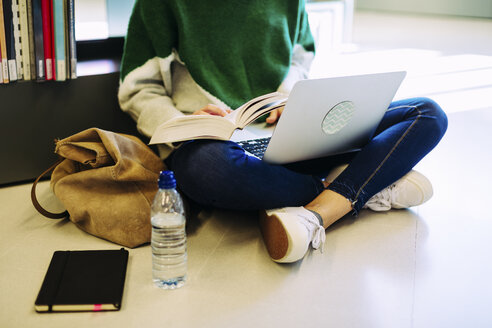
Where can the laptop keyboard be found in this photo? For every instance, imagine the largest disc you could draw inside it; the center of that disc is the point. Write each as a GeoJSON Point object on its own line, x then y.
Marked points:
{"type": "Point", "coordinates": [256, 147]}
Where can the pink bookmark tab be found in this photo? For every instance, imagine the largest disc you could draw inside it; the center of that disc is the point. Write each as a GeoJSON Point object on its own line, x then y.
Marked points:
{"type": "Point", "coordinates": [97, 307]}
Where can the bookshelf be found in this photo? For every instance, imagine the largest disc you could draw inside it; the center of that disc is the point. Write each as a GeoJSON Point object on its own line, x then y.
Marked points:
{"type": "Point", "coordinates": [34, 114]}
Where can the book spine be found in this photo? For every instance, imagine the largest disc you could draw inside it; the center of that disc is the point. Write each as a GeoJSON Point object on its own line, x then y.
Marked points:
{"type": "Point", "coordinates": [24, 31]}
{"type": "Point", "coordinates": [59, 29]}
{"type": "Point", "coordinates": [3, 47]}
{"type": "Point", "coordinates": [52, 22]}
{"type": "Point", "coordinates": [10, 41]}
{"type": "Point", "coordinates": [38, 39]}
{"type": "Point", "coordinates": [67, 48]}
{"type": "Point", "coordinates": [48, 56]}
{"type": "Point", "coordinates": [30, 27]}
{"type": "Point", "coordinates": [9, 34]}
{"type": "Point", "coordinates": [71, 39]}
{"type": "Point", "coordinates": [17, 38]}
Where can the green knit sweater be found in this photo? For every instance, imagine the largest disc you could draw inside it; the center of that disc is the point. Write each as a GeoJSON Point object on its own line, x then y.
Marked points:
{"type": "Point", "coordinates": [234, 49]}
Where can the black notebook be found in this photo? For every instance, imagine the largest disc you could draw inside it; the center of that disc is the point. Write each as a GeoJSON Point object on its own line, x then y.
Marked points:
{"type": "Point", "coordinates": [83, 281]}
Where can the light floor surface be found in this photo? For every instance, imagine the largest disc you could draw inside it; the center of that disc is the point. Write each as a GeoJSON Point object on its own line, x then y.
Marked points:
{"type": "Point", "coordinates": [429, 266]}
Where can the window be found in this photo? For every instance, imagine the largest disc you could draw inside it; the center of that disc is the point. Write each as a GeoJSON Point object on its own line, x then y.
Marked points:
{"type": "Point", "coordinates": [101, 19]}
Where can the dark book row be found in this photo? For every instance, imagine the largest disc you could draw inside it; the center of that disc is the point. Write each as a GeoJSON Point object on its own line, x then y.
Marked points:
{"type": "Point", "coordinates": [37, 40]}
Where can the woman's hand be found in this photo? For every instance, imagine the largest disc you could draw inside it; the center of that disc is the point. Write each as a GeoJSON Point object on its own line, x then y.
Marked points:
{"type": "Point", "coordinates": [274, 115]}
{"type": "Point", "coordinates": [212, 110]}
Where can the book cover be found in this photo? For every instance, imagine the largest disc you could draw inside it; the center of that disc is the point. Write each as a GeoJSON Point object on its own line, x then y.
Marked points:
{"type": "Point", "coordinates": [59, 39]}
{"type": "Point", "coordinates": [30, 28]}
{"type": "Point", "coordinates": [38, 39]}
{"type": "Point", "coordinates": [17, 38]}
{"type": "Point", "coordinates": [9, 39]}
{"type": "Point", "coordinates": [52, 22]}
{"type": "Point", "coordinates": [83, 281]}
{"type": "Point", "coordinates": [47, 34]}
{"type": "Point", "coordinates": [191, 127]}
{"type": "Point", "coordinates": [72, 45]}
{"type": "Point", "coordinates": [3, 47]}
{"type": "Point", "coordinates": [24, 32]}
{"type": "Point", "coordinates": [67, 48]}
{"type": "Point", "coordinates": [1, 70]}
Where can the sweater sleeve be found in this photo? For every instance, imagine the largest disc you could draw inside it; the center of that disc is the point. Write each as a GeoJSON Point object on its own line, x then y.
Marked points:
{"type": "Point", "coordinates": [145, 83]}
{"type": "Point", "coordinates": [302, 53]}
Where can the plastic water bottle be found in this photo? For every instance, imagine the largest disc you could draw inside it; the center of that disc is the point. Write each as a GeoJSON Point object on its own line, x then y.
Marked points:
{"type": "Point", "coordinates": [168, 235]}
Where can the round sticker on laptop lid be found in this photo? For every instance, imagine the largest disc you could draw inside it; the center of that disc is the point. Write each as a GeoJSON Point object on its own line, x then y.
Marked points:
{"type": "Point", "coordinates": [337, 117]}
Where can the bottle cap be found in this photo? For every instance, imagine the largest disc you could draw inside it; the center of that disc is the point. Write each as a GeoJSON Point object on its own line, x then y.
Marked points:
{"type": "Point", "coordinates": [167, 180]}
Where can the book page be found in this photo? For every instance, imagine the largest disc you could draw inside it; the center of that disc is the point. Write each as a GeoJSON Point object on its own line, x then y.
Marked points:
{"type": "Point", "coordinates": [259, 108]}
{"type": "Point", "coordinates": [252, 106]}
{"type": "Point", "coordinates": [193, 127]}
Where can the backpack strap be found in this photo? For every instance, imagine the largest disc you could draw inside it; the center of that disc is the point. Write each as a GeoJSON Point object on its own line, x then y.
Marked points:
{"type": "Point", "coordinates": [35, 201]}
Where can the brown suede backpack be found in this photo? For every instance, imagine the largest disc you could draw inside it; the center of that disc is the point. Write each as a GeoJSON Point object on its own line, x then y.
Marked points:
{"type": "Point", "coordinates": [107, 182]}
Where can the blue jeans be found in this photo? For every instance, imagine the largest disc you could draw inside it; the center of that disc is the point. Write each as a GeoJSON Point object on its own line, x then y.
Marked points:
{"type": "Point", "coordinates": [220, 174]}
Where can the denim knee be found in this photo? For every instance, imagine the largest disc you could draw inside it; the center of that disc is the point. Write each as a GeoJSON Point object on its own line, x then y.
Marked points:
{"type": "Point", "coordinates": [438, 120]}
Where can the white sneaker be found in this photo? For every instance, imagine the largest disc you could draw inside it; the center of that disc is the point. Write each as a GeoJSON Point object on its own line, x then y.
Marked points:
{"type": "Point", "coordinates": [288, 231]}
{"type": "Point", "coordinates": [411, 190]}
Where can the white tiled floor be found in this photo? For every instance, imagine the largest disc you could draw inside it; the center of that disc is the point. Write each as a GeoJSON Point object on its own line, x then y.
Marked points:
{"type": "Point", "coordinates": [425, 267]}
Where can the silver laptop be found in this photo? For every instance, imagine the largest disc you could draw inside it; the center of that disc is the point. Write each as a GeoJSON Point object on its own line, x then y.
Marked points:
{"type": "Point", "coordinates": [323, 117]}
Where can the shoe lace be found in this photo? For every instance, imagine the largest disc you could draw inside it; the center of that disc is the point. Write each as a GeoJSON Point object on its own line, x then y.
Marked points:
{"type": "Point", "coordinates": [382, 200]}
{"type": "Point", "coordinates": [316, 231]}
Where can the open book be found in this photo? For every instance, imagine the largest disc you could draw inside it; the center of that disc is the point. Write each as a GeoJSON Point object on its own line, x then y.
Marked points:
{"type": "Point", "coordinates": [216, 127]}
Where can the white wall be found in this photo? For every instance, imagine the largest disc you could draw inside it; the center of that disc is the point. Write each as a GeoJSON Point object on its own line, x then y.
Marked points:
{"type": "Point", "coordinates": [474, 8]}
